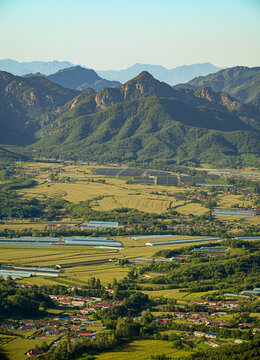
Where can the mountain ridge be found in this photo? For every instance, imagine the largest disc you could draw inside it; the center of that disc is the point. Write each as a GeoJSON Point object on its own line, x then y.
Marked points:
{"type": "Point", "coordinates": [80, 78]}
{"type": "Point", "coordinates": [23, 101]}
{"type": "Point", "coordinates": [241, 82]}
{"type": "Point", "coordinates": [22, 68]}
{"type": "Point", "coordinates": [179, 74]}
{"type": "Point", "coordinates": [143, 120]}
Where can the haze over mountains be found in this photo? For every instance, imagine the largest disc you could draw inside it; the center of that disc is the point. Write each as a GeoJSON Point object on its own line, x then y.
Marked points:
{"type": "Point", "coordinates": [173, 76]}
{"type": "Point", "coordinates": [32, 67]}
{"type": "Point", "coordinates": [80, 78]}
{"type": "Point", "coordinates": [143, 120]}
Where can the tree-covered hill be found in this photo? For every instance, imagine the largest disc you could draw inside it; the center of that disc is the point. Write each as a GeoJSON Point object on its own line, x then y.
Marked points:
{"type": "Point", "coordinates": [7, 155]}
{"type": "Point", "coordinates": [241, 82]}
{"type": "Point", "coordinates": [147, 120]}
{"type": "Point", "coordinates": [22, 101]}
{"type": "Point", "coordinates": [141, 120]}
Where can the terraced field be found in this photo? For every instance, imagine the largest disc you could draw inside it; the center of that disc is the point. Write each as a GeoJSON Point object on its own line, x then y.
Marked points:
{"type": "Point", "coordinates": [192, 208]}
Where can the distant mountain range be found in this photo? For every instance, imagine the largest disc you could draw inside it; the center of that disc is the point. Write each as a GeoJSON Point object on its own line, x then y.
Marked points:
{"type": "Point", "coordinates": [32, 67]}
{"type": "Point", "coordinates": [143, 120]}
{"type": "Point", "coordinates": [241, 82]}
{"type": "Point", "coordinates": [180, 74]}
{"type": "Point", "coordinates": [80, 78]}
{"type": "Point", "coordinates": [173, 76]}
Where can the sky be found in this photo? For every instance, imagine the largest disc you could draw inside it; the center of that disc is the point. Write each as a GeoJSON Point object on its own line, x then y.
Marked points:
{"type": "Point", "coordinates": [115, 34]}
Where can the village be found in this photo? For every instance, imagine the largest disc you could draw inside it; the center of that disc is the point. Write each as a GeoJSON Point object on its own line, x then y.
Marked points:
{"type": "Point", "coordinates": [77, 318]}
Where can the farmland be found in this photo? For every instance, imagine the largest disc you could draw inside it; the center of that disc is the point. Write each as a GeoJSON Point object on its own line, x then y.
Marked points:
{"type": "Point", "coordinates": [175, 290]}
{"type": "Point", "coordinates": [53, 255]}
{"type": "Point", "coordinates": [115, 192]}
{"type": "Point", "coordinates": [81, 275]}
{"type": "Point", "coordinates": [140, 350]}
{"type": "Point", "coordinates": [16, 347]}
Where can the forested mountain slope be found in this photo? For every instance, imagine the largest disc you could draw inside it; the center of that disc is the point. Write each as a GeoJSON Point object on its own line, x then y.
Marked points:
{"type": "Point", "coordinates": [141, 120]}
{"type": "Point", "coordinates": [22, 101]}
{"type": "Point", "coordinates": [241, 82]}
{"type": "Point", "coordinates": [147, 120]}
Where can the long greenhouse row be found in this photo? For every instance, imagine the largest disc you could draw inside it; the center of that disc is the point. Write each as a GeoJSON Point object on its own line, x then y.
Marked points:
{"type": "Point", "coordinates": [81, 241]}
{"type": "Point", "coordinates": [182, 241]}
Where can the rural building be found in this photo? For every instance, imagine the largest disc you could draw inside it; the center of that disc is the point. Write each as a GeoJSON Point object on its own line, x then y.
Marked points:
{"type": "Point", "coordinates": [217, 250]}
{"type": "Point", "coordinates": [93, 224]}
{"type": "Point", "coordinates": [35, 352]}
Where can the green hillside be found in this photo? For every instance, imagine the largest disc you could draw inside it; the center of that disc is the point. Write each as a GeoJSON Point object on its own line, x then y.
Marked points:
{"type": "Point", "coordinates": [7, 155]}
{"type": "Point", "coordinates": [22, 101]}
{"type": "Point", "coordinates": [241, 82]}
{"type": "Point", "coordinates": [146, 120]}
{"type": "Point", "coordinates": [143, 120]}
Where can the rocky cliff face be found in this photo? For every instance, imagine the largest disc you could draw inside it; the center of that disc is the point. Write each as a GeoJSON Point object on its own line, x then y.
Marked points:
{"type": "Point", "coordinates": [218, 98]}
{"type": "Point", "coordinates": [141, 86]}
{"type": "Point", "coordinates": [240, 82]}
{"type": "Point", "coordinates": [108, 97]}
{"type": "Point", "coordinates": [34, 91]}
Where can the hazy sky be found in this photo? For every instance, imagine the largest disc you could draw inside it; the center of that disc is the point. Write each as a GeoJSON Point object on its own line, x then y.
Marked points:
{"type": "Point", "coordinates": [114, 34]}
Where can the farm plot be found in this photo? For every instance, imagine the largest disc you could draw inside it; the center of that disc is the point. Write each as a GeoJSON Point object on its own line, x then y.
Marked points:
{"type": "Point", "coordinates": [16, 348]}
{"type": "Point", "coordinates": [227, 201]}
{"type": "Point", "coordinates": [167, 293]}
{"type": "Point", "coordinates": [140, 202]}
{"type": "Point", "coordinates": [105, 272]}
{"type": "Point", "coordinates": [49, 256]}
{"type": "Point", "coordinates": [192, 208]}
{"type": "Point", "coordinates": [142, 350]}
{"type": "Point", "coordinates": [116, 194]}
{"type": "Point", "coordinates": [74, 192]}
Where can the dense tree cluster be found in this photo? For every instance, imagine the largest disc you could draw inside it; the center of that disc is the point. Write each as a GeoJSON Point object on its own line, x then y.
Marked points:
{"type": "Point", "coordinates": [16, 301]}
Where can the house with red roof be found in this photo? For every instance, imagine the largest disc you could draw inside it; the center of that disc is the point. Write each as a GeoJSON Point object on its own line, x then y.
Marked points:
{"type": "Point", "coordinates": [35, 352]}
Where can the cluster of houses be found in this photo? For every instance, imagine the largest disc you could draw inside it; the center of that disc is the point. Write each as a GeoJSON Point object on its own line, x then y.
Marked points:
{"type": "Point", "coordinates": [56, 325]}
{"type": "Point", "coordinates": [78, 324]}
{"type": "Point", "coordinates": [59, 325]}
{"type": "Point", "coordinates": [209, 334]}
{"type": "Point", "coordinates": [202, 318]}
{"type": "Point", "coordinates": [93, 303]}
{"type": "Point", "coordinates": [217, 305]}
